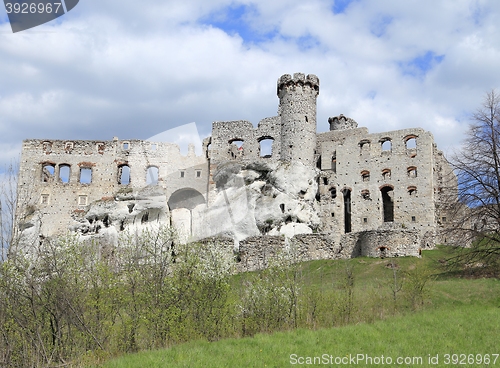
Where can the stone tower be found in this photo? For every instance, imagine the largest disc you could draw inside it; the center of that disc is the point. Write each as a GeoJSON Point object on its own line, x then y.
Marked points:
{"type": "Point", "coordinates": [297, 111]}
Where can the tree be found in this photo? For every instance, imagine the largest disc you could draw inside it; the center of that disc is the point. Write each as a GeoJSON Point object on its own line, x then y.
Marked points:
{"type": "Point", "coordinates": [474, 207]}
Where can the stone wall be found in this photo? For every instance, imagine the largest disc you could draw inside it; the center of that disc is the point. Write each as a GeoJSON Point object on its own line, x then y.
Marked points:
{"type": "Point", "coordinates": [371, 167]}
{"type": "Point", "coordinates": [347, 192]}
{"type": "Point", "coordinates": [62, 178]}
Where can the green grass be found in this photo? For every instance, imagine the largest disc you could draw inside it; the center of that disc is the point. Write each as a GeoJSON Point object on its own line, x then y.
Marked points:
{"type": "Point", "coordinates": [468, 330]}
{"type": "Point", "coordinates": [460, 316]}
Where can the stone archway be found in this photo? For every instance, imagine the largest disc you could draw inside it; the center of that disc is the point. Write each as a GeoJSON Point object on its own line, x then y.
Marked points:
{"type": "Point", "coordinates": [181, 204]}
{"type": "Point", "coordinates": [185, 198]}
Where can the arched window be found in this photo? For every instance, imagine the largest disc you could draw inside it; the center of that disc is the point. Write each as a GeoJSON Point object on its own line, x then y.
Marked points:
{"type": "Point", "coordinates": [412, 172]}
{"type": "Point", "coordinates": [64, 173]}
{"type": "Point", "coordinates": [152, 175]}
{"type": "Point", "coordinates": [411, 142]}
{"type": "Point", "coordinates": [365, 194]}
{"type": "Point", "coordinates": [124, 174]}
{"type": "Point", "coordinates": [365, 175]}
{"type": "Point", "coordinates": [364, 146]}
{"type": "Point", "coordinates": [386, 174]}
{"type": "Point", "coordinates": [334, 162]}
{"type": "Point", "coordinates": [412, 190]}
{"type": "Point", "coordinates": [48, 171]}
{"type": "Point", "coordinates": [235, 148]}
{"type": "Point", "coordinates": [386, 144]}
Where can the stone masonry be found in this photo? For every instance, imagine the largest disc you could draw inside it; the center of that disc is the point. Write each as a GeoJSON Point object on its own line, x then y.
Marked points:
{"type": "Point", "coordinates": [343, 193]}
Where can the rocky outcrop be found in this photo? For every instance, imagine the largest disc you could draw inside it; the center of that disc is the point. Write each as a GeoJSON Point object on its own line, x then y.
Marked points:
{"type": "Point", "coordinates": [256, 199]}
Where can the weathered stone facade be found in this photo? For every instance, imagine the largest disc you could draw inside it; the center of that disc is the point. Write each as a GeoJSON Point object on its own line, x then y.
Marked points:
{"type": "Point", "coordinates": [343, 193]}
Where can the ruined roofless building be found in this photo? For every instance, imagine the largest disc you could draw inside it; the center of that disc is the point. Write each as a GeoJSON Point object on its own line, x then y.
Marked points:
{"type": "Point", "coordinates": [341, 193]}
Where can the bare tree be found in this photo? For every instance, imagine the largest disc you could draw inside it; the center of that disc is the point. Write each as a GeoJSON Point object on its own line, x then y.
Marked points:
{"type": "Point", "coordinates": [18, 211]}
{"type": "Point", "coordinates": [8, 204]}
{"type": "Point", "coordinates": [474, 206]}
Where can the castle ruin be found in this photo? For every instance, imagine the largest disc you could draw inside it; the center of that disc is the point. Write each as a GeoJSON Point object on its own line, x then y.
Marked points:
{"type": "Point", "coordinates": [338, 194]}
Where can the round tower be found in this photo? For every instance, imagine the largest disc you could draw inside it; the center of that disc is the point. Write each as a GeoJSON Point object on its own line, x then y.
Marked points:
{"type": "Point", "coordinates": [297, 110]}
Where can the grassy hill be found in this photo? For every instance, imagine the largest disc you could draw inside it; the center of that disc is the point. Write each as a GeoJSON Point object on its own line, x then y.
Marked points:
{"type": "Point", "coordinates": [373, 309]}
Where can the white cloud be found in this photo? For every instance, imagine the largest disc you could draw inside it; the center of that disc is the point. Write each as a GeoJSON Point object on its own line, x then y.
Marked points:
{"type": "Point", "coordinates": [119, 68]}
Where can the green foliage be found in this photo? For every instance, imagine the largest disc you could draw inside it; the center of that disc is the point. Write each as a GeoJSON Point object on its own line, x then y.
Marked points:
{"type": "Point", "coordinates": [82, 303]}
{"type": "Point", "coordinates": [436, 332]}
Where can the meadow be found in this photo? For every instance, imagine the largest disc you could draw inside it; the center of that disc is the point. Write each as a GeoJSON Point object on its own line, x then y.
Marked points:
{"type": "Point", "coordinates": [366, 312]}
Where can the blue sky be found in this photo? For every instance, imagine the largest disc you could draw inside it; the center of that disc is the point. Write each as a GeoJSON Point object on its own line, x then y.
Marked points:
{"type": "Point", "coordinates": [121, 69]}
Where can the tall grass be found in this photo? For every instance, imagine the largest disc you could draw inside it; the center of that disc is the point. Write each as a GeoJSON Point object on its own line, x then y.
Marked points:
{"type": "Point", "coordinates": [469, 330]}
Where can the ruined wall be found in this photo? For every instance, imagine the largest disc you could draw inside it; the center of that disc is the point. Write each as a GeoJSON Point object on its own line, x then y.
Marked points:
{"type": "Point", "coordinates": [227, 135]}
{"type": "Point", "coordinates": [62, 178]}
{"type": "Point", "coordinates": [278, 178]}
{"type": "Point", "coordinates": [381, 243]}
{"type": "Point", "coordinates": [371, 167]}
{"type": "Point", "coordinates": [256, 253]}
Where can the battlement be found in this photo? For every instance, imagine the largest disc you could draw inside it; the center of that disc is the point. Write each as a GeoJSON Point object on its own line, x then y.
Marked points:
{"type": "Point", "coordinates": [342, 122]}
{"type": "Point", "coordinates": [287, 82]}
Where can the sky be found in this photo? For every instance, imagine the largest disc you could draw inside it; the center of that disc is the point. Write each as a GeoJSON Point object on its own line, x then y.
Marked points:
{"type": "Point", "coordinates": [135, 69]}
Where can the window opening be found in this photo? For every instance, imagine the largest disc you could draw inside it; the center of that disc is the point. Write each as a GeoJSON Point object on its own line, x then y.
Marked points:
{"type": "Point", "coordinates": [82, 200]}
{"type": "Point", "coordinates": [124, 174]}
{"type": "Point", "coordinates": [412, 172]}
{"type": "Point", "coordinates": [85, 175]}
{"type": "Point", "coordinates": [44, 199]}
{"type": "Point", "coordinates": [152, 175]}
{"type": "Point", "coordinates": [333, 193]}
{"type": "Point", "coordinates": [388, 203]}
{"type": "Point", "coordinates": [318, 163]}
{"type": "Point", "coordinates": [235, 148]}
{"type": "Point", "coordinates": [386, 174]}
{"type": "Point", "coordinates": [266, 147]}
{"type": "Point", "coordinates": [365, 175]}
{"type": "Point", "coordinates": [347, 210]}
{"type": "Point", "coordinates": [411, 143]}
{"type": "Point", "coordinates": [386, 145]}
{"type": "Point", "coordinates": [48, 171]}
{"type": "Point", "coordinates": [334, 162]}
{"type": "Point", "coordinates": [364, 146]}
{"type": "Point", "coordinates": [68, 147]}
{"type": "Point", "coordinates": [64, 173]}
{"type": "Point", "coordinates": [101, 147]}
{"type": "Point", "coordinates": [209, 148]}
